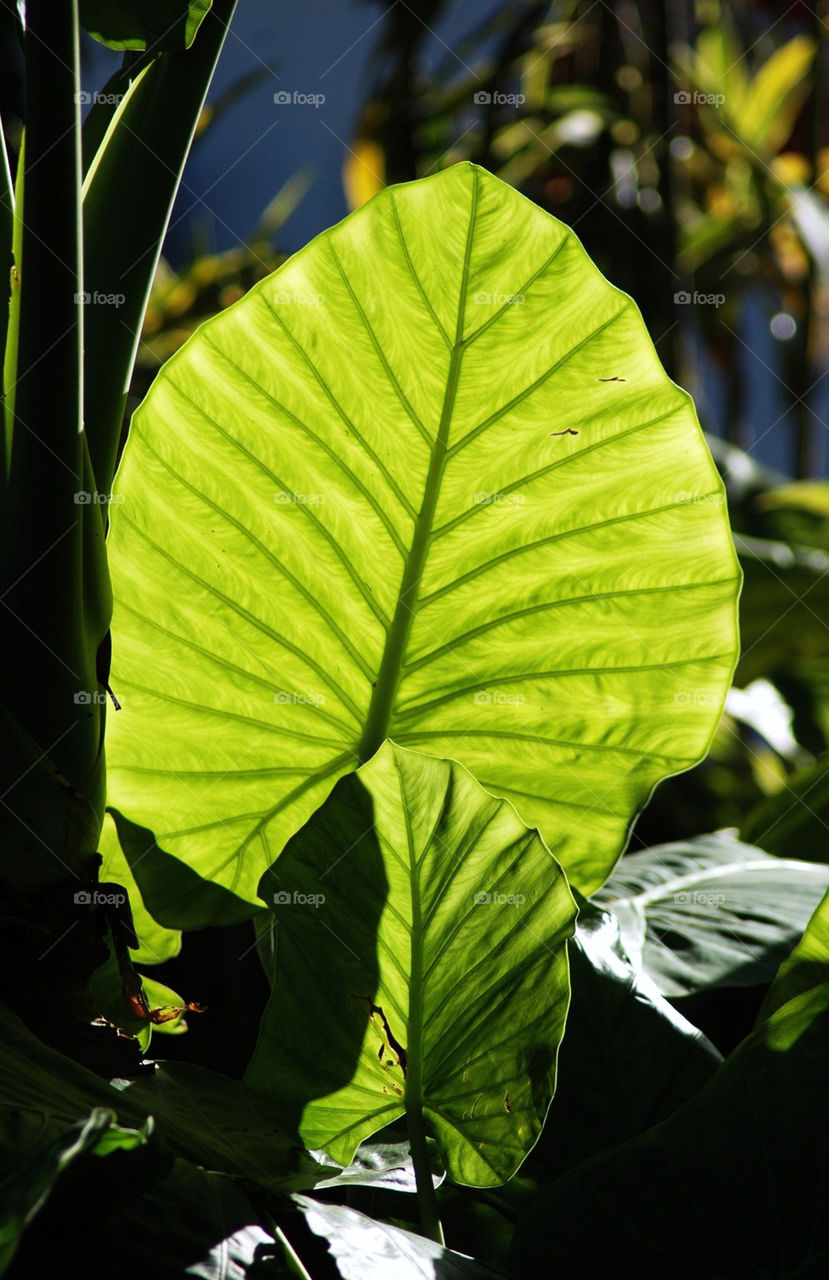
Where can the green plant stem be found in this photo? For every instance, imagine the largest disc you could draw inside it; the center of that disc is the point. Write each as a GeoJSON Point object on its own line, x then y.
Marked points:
{"type": "Point", "coordinates": [129, 190]}
{"type": "Point", "coordinates": [292, 1258]}
{"type": "Point", "coordinates": [426, 1197]}
{"type": "Point", "coordinates": [6, 246]}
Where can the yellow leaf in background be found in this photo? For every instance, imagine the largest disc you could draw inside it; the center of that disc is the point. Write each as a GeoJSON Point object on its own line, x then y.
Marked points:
{"type": "Point", "coordinates": [719, 65]}
{"type": "Point", "coordinates": [776, 96]}
{"type": "Point", "coordinates": [809, 495]}
{"type": "Point", "coordinates": [364, 172]}
{"type": "Point", "coordinates": [791, 168]}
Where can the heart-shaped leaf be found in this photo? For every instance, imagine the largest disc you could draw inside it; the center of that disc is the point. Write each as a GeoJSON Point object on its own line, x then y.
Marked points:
{"type": "Point", "coordinates": [421, 968]}
{"type": "Point", "coordinates": [430, 482]}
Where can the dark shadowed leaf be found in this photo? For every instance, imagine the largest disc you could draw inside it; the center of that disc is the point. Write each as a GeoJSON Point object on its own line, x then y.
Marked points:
{"type": "Point", "coordinates": [733, 1185]}
{"type": "Point", "coordinates": [711, 911]}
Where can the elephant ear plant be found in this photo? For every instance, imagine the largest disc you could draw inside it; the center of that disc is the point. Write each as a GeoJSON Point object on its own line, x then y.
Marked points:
{"type": "Point", "coordinates": [423, 505]}
{"type": "Point", "coordinates": [423, 580]}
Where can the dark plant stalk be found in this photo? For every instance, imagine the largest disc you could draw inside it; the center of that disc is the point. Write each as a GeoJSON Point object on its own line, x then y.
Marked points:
{"type": "Point", "coordinates": [54, 615]}
{"type": "Point", "coordinates": [426, 1198]}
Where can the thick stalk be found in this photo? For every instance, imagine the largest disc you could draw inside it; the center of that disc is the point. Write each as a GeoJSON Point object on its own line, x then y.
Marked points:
{"type": "Point", "coordinates": [426, 1197]}
{"type": "Point", "coordinates": [52, 618]}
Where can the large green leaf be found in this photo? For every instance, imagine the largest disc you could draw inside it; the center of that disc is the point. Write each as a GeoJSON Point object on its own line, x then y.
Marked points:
{"type": "Point", "coordinates": [711, 911]}
{"type": "Point", "coordinates": [420, 968]}
{"type": "Point", "coordinates": [430, 482]}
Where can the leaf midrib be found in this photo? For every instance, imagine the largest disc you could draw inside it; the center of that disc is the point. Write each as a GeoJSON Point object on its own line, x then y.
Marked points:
{"type": "Point", "coordinates": [383, 695]}
{"type": "Point", "coordinates": [751, 865]}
